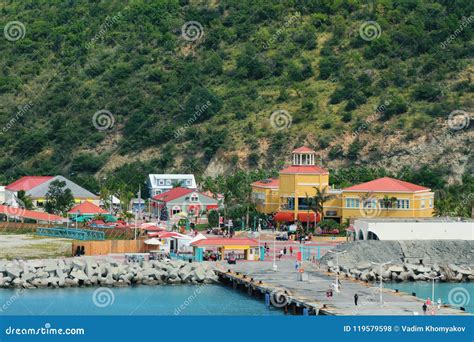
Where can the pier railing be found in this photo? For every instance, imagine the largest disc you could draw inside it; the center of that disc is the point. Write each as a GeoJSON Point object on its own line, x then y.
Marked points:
{"type": "Point", "coordinates": [76, 234]}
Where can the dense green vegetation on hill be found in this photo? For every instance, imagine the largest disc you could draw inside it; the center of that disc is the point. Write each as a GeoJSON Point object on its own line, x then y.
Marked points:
{"type": "Point", "coordinates": [177, 103]}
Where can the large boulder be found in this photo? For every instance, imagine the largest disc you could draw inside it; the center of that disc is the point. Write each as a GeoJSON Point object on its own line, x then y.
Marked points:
{"type": "Point", "coordinates": [199, 275]}
{"type": "Point", "coordinates": [13, 271]}
{"type": "Point", "coordinates": [396, 269]}
{"type": "Point", "coordinates": [79, 275]}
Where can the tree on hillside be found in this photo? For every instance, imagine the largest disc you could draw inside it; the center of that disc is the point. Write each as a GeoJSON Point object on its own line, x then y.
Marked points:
{"type": "Point", "coordinates": [59, 199]}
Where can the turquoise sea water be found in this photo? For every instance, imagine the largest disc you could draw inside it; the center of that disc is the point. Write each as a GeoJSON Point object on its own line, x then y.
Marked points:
{"type": "Point", "coordinates": [456, 294]}
{"type": "Point", "coordinates": [141, 300]}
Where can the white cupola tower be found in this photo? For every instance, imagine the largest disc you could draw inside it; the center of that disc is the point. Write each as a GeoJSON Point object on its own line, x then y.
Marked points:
{"type": "Point", "coordinates": [303, 156]}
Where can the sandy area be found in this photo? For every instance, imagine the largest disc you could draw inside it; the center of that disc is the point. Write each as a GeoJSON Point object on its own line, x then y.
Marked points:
{"type": "Point", "coordinates": [29, 246]}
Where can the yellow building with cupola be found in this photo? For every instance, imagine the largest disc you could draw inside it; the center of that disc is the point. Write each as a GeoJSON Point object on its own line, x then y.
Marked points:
{"type": "Point", "coordinates": [289, 198]}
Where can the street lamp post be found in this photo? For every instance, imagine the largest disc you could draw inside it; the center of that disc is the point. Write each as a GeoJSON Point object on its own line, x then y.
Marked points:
{"type": "Point", "coordinates": [432, 286]}
{"type": "Point", "coordinates": [336, 287]}
{"type": "Point", "coordinates": [381, 277]}
{"type": "Point", "coordinates": [274, 254]}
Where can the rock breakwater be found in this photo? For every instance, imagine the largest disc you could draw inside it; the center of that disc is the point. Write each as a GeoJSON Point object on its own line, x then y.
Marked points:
{"type": "Point", "coordinates": [92, 272]}
{"type": "Point", "coordinates": [410, 260]}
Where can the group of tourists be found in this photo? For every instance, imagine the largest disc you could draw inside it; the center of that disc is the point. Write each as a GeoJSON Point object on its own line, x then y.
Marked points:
{"type": "Point", "coordinates": [429, 306]}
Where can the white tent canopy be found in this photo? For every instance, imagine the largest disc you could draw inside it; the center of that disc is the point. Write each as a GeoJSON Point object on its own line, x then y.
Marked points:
{"type": "Point", "coordinates": [153, 241]}
{"type": "Point", "coordinates": [196, 238]}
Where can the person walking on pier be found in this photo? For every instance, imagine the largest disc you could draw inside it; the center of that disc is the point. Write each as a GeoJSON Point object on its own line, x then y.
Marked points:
{"type": "Point", "coordinates": [284, 250]}
{"type": "Point", "coordinates": [356, 298]}
{"type": "Point", "coordinates": [424, 307]}
{"type": "Point", "coordinates": [291, 250]}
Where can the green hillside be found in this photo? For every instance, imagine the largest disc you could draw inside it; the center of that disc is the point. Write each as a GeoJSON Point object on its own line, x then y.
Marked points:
{"type": "Point", "coordinates": [354, 79]}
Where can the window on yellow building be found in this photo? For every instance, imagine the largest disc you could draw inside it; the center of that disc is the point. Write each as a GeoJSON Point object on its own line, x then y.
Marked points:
{"type": "Point", "coordinates": [403, 204]}
{"type": "Point", "coordinates": [431, 203]}
{"type": "Point", "coordinates": [352, 203]}
{"type": "Point", "coordinates": [423, 205]}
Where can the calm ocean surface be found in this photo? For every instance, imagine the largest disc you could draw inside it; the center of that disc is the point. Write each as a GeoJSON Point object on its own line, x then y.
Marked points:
{"type": "Point", "coordinates": [456, 294]}
{"type": "Point", "coordinates": [142, 300]}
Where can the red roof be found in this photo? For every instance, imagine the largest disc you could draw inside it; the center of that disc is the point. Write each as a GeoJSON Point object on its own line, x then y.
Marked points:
{"type": "Point", "coordinates": [172, 194]}
{"type": "Point", "coordinates": [30, 214]}
{"type": "Point", "coordinates": [27, 183]}
{"type": "Point", "coordinates": [304, 169]}
{"type": "Point", "coordinates": [225, 242]}
{"type": "Point", "coordinates": [165, 234]}
{"type": "Point", "coordinates": [87, 207]}
{"type": "Point", "coordinates": [387, 184]}
{"type": "Point", "coordinates": [303, 149]}
{"type": "Point", "coordinates": [267, 183]}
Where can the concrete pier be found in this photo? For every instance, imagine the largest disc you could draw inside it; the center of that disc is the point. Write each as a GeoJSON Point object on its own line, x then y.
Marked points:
{"type": "Point", "coordinates": [294, 296]}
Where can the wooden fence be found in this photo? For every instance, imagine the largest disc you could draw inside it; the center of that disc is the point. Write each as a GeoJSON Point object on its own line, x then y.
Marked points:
{"type": "Point", "coordinates": [110, 247]}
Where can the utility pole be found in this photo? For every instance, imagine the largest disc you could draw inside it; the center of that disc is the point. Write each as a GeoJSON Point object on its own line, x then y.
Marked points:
{"type": "Point", "coordinates": [381, 277]}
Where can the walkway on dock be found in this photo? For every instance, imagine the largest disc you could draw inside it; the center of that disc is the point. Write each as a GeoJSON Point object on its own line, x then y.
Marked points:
{"type": "Point", "coordinates": [313, 290]}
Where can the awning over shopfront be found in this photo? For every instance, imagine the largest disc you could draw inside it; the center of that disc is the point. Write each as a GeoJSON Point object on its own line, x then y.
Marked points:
{"type": "Point", "coordinates": [311, 217]}
{"type": "Point", "coordinates": [284, 217]}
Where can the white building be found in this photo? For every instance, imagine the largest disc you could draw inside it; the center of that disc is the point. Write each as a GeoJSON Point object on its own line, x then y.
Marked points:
{"type": "Point", "coordinates": [159, 183]}
{"type": "Point", "coordinates": [7, 197]}
{"type": "Point", "coordinates": [436, 228]}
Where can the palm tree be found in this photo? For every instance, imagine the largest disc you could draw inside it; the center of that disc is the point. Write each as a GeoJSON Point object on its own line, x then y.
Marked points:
{"type": "Point", "coordinates": [388, 202]}
{"type": "Point", "coordinates": [317, 202]}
